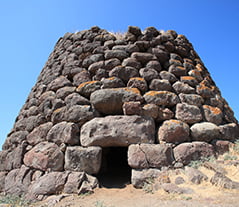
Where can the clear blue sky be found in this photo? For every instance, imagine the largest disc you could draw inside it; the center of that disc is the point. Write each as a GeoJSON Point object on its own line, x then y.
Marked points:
{"type": "Point", "coordinates": [30, 29]}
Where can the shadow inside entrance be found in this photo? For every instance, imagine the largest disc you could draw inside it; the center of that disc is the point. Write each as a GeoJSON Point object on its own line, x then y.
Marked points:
{"type": "Point", "coordinates": [115, 171]}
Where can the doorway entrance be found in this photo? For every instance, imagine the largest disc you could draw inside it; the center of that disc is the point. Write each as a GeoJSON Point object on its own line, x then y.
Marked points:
{"type": "Point", "coordinates": [115, 171]}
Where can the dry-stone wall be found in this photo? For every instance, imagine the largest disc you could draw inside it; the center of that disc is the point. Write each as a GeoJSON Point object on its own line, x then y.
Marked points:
{"type": "Point", "coordinates": [147, 91]}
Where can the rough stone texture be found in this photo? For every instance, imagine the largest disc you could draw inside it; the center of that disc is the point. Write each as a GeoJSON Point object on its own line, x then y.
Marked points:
{"type": "Point", "coordinates": [173, 131]}
{"type": "Point", "coordinates": [2, 181]}
{"type": "Point", "coordinates": [83, 159]}
{"type": "Point", "coordinates": [188, 113]}
{"type": "Point", "coordinates": [142, 156]}
{"type": "Point", "coordinates": [92, 86]}
{"type": "Point", "coordinates": [49, 184]}
{"type": "Point", "coordinates": [194, 175]}
{"type": "Point", "coordinates": [205, 131]}
{"type": "Point", "coordinates": [229, 131]}
{"type": "Point", "coordinates": [223, 181]}
{"type": "Point", "coordinates": [140, 176]}
{"type": "Point", "coordinates": [64, 132]}
{"type": "Point", "coordinates": [161, 98]}
{"type": "Point", "coordinates": [110, 101]}
{"type": "Point", "coordinates": [18, 180]}
{"type": "Point", "coordinates": [45, 156]}
{"type": "Point", "coordinates": [187, 152]}
{"type": "Point", "coordinates": [117, 131]}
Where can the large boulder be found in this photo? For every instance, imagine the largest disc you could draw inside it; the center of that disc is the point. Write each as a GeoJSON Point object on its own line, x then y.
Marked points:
{"type": "Point", "coordinates": [110, 101]}
{"type": "Point", "coordinates": [140, 177]}
{"type": "Point", "coordinates": [64, 132]}
{"type": "Point", "coordinates": [83, 159]}
{"type": "Point", "coordinates": [205, 131]}
{"type": "Point", "coordinates": [118, 131]}
{"type": "Point", "coordinates": [45, 156]}
{"type": "Point", "coordinates": [188, 113]}
{"type": "Point", "coordinates": [190, 151]}
{"type": "Point", "coordinates": [161, 98]}
{"type": "Point", "coordinates": [142, 156]}
{"type": "Point", "coordinates": [173, 131]}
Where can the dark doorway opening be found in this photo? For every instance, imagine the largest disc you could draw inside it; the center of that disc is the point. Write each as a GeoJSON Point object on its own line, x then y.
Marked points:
{"type": "Point", "coordinates": [115, 171]}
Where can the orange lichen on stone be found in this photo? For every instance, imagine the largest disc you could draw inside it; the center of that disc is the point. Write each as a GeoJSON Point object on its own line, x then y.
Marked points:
{"type": "Point", "coordinates": [111, 78]}
{"type": "Point", "coordinates": [200, 67]}
{"type": "Point", "coordinates": [153, 93]}
{"type": "Point", "coordinates": [57, 110]}
{"type": "Point", "coordinates": [187, 78]}
{"type": "Point", "coordinates": [133, 90]}
{"type": "Point", "coordinates": [214, 110]}
{"type": "Point", "coordinates": [128, 89]}
{"type": "Point", "coordinates": [137, 78]}
{"type": "Point", "coordinates": [86, 83]}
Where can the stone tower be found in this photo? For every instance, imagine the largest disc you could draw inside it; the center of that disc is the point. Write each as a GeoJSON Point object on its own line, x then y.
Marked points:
{"type": "Point", "coordinates": [105, 103]}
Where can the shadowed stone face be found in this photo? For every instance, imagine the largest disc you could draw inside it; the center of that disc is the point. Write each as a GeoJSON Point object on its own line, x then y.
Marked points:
{"type": "Point", "coordinates": [146, 90]}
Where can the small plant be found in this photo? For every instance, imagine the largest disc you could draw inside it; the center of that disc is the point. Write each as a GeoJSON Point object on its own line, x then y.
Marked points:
{"type": "Point", "coordinates": [186, 198]}
{"type": "Point", "coordinates": [228, 156]}
{"type": "Point", "coordinates": [100, 204]}
{"type": "Point", "coordinates": [14, 201]}
{"type": "Point", "coordinates": [148, 185]}
{"type": "Point", "coordinates": [236, 146]}
{"type": "Point", "coordinates": [197, 163]}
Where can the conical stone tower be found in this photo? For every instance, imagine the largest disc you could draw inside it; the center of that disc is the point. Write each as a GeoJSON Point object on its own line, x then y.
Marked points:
{"type": "Point", "coordinates": [106, 104]}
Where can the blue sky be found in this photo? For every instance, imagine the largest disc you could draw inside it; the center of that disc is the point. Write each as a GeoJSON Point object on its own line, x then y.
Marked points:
{"type": "Point", "coordinates": [30, 29]}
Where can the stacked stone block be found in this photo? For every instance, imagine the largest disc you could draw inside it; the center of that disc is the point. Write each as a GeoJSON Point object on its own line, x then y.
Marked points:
{"type": "Point", "coordinates": [147, 90]}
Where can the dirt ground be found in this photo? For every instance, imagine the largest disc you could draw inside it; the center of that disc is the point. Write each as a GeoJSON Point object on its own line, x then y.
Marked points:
{"type": "Point", "coordinates": [205, 195]}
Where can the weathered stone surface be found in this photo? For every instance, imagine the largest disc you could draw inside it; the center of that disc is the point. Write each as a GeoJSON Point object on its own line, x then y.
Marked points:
{"type": "Point", "coordinates": [154, 64]}
{"type": "Point", "coordinates": [110, 101]}
{"type": "Point", "coordinates": [131, 62]}
{"type": "Point", "coordinates": [124, 73]}
{"type": "Point", "coordinates": [117, 131]}
{"type": "Point", "coordinates": [164, 114]}
{"type": "Point", "coordinates": [14, 158]}
{"type": "Point", "coordinates": [173, 131]}
{"type": "Point", "coordinates": [168, 76]}
{"type": "Point", "coordinates": [59, 83]}
{"type": "Point", "coordinates": [151, 110]}
{"type": "Point", "coordinates": [213, 114]}
{"type": "Point", "coordinates": [177, 70]}
{"type": "Point", "coordinates": [83, 159]}
{"type": "Point", "coordinates": [160, 85]}
{"type": "Point", "coordinates": [132, 108]}
{"type": "Point", "coordinates": [180, 87]}
{"type": "Point", "coordinates": [205, 131]}
{"type": "Point", "coordinates": [15, 139]}
{"type": "Point", "coordinates": [161, 98]}
{"type": "Point", "coordinates": [173, 188]}
{"type": "Point", "coordinates": [191, 99]}
{"type": "Point", "coordinates": [140, 176]}
{"type": "Point", "coordinates": [64, 132]}
{"type": "Point", "coordinates": [86, 88]}
{"type": "Point", "coordinates": [188, 113]}
{"type": "Point", "coordinates": [194, 175]}
{"type": "Point", "coordinates": [45, 156]}
{"type": "Point", "coordinates": [79, 114]}
{"type": "Point", "coordinates": [148, 74]}
{"type": "Point", "coordinates": [192, 81]}
{"type": "Point", "coordinates": [187, 152]}
{"type": "Point", "coordinates": [49, 184]}
{"type": "Point", "coordinates": [223, 181]}
{"type": "Point", "coordinates": [76, 99]}
{"type": "Point", "coordinates": [142, 57]}
{"type": "Point", "coordinates": [111, 63]}
{"type": "Point", "coordinates": [229, 131]}
{"type": "Point", "coordinates": [119, 54]}
{"type": "Point", "coordinates": [142, 156]}
{"type": "Point", "coordinates": [74, 182]}
{"type": "Point", "coordinates": [138, 83]}
{"type": "Point", "coordinates": [221, 146]}
{"type": "Point", "coordinates": [179, 180]}
{"type": "Point", "coordinates": [64, 92]}
{"type": "Point", "coordinates": [2, 181]}
{"type": "Point", "coordinates": [18, 180]}
{"type": "Point", "coordinates": [39, 134]}
{"type": "Point", "coordinates": [112, 82]}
